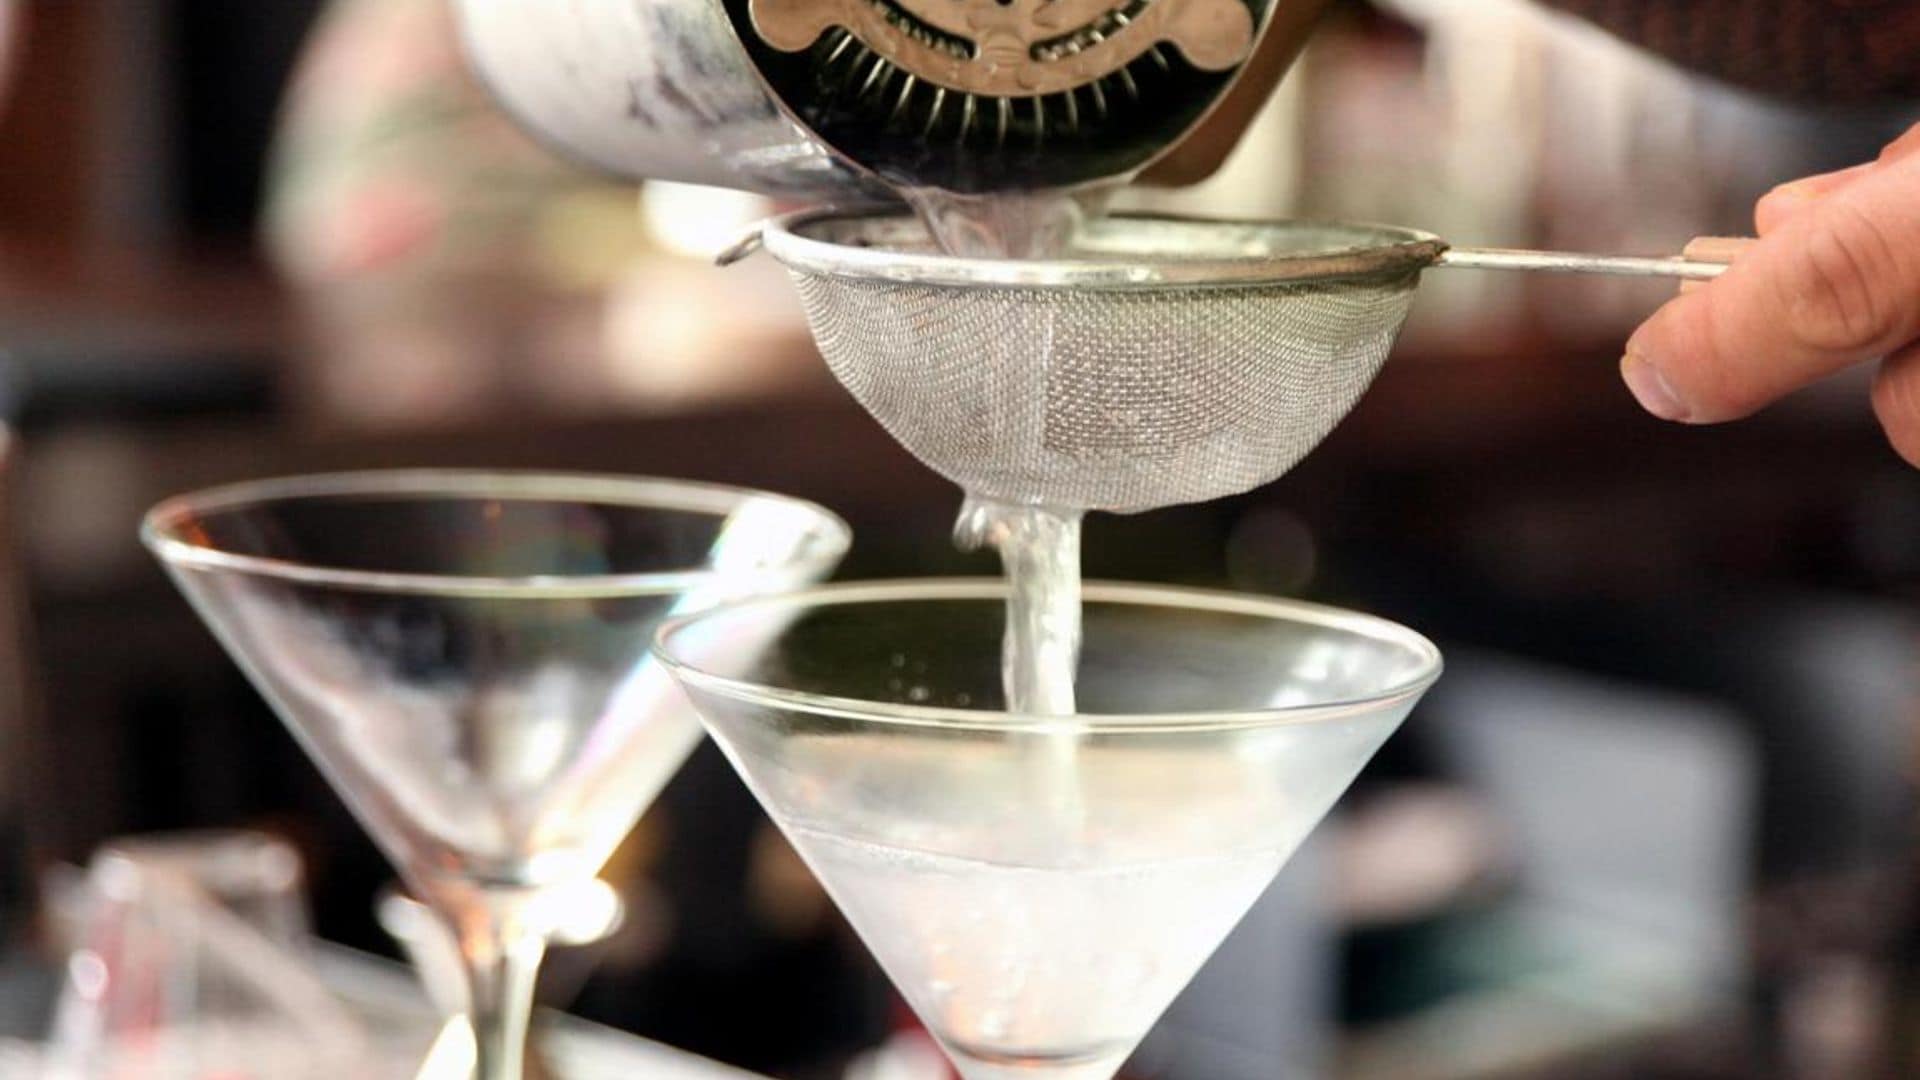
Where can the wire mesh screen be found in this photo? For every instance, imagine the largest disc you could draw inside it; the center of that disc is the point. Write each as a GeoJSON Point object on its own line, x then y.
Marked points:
{"type": "Point", "coordinates": [1117, 399]}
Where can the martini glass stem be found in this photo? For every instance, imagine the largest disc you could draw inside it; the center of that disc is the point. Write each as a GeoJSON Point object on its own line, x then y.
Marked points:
{"type": "Point", "coordinates": [502, 954]}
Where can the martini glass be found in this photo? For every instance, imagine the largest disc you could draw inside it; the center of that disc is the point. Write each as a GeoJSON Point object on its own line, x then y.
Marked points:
{"type": "Point", "coordinates": [1040, 888]}
{"type": "Point", "coordinates": [465, 655]}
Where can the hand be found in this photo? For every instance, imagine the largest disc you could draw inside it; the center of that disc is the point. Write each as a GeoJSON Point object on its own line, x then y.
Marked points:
{"type": "Point", "coordinates": [1834, 281]}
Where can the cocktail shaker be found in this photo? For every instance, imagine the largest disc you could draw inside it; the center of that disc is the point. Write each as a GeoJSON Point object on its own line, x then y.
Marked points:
{"type": "Point", "coordinates": [654, 89]}
{"type": "Point", "coordinates": [848, 100]}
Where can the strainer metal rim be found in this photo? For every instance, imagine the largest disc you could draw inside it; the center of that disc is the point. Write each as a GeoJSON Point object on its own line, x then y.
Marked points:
{"type": "Point", "coordinates": [1401, 253]}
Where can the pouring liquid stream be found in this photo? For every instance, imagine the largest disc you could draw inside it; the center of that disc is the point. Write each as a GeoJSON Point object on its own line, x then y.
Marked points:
{"type": "Point", "coordinates": [1012, 225]}
{"type": "Point", "coordinates": [1039, 546]}
{"type": "Point", "coordinates": [1040, 549]}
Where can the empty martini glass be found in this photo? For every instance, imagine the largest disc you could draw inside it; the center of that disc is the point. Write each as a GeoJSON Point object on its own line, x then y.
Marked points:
{"type": "Point", "coordinates": [465, 655]}
{"type": "Point", "coordinates": [1040, 888]}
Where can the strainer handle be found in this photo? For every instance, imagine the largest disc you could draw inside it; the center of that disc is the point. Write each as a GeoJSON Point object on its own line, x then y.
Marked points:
{"type": "Point", "coordinates": [1709, 258]}
{"type": "Point", "coordinates": [744, 246]}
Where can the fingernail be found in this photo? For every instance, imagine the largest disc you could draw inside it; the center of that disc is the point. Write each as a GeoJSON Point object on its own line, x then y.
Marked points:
{"type": "Point", "coordinates": [1651, 389]}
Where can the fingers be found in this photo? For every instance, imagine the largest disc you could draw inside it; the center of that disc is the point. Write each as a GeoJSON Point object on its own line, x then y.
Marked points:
{"type": "Point", "coordinates": [1832, 286]}
{"type": "Point", "coordinates": [1788, 201]}
{"type": "Point", "coordinates": [1896, 402]}
{"type": "Point", "coordinates": [1903, 147]}
{"type": "Point", "coordinates": [1725, 250]}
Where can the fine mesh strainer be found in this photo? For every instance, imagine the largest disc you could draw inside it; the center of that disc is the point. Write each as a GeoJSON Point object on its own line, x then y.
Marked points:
{"type": "Point", "coordinates": [1166, 361]}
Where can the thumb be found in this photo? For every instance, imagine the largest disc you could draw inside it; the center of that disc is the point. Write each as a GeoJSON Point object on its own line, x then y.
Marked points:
{"type": "Point", "coordinates": [1835, 286]}
{"type": "Point", "coordinates": [1788, 201]}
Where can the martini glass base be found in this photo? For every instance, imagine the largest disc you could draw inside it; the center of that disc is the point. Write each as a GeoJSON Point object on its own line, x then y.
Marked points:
{"type": "Point", "coordinates": [465, 656]}
{"type": "Point", "coordinates": [1095, 1065]}
{"type": "Point", "coordinates": [501, 947]}
{"type": "Point", "coordinates": [1038, 909]}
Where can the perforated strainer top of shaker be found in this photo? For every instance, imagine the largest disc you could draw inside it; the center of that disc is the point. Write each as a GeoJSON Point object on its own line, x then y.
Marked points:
{"type": "Point", "coordinates": [1164, 361]}
{"type": "Point", "coordinates": [972, 96]}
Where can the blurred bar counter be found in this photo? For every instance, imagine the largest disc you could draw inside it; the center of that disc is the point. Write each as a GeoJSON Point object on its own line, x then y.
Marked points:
{"type": "Point", "coordinates": [400, 1026]}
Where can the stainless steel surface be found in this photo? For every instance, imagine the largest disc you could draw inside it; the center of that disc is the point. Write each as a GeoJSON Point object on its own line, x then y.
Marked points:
{"type": "Point", "coordinates": [656, 90]}
{"type": "Point", "coordinates": [1164, 251]}
{"type": "Point", "coordinates": [1560, 262]}
{"type": "Point", "coordinates": [1165, 361]}
{"type": "Point", "coordinates": [815, 100]}
{"type": "Point", "coordinates": [1169, 361]}
{"type": "Point", "coordinates": [1020, 48]}
{"type": "Point", "coordinates": [1115, 253]}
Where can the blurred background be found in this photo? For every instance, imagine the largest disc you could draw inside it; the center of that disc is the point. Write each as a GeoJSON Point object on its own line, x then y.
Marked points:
{"type": "Point", "coordinates": [1657, 821]}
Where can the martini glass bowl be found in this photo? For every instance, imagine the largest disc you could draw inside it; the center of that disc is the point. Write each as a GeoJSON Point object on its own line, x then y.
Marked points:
{"type": "Point", "coordinates": [1040, 888]}
{"type": "Point", "coordinates": [465, 656]}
